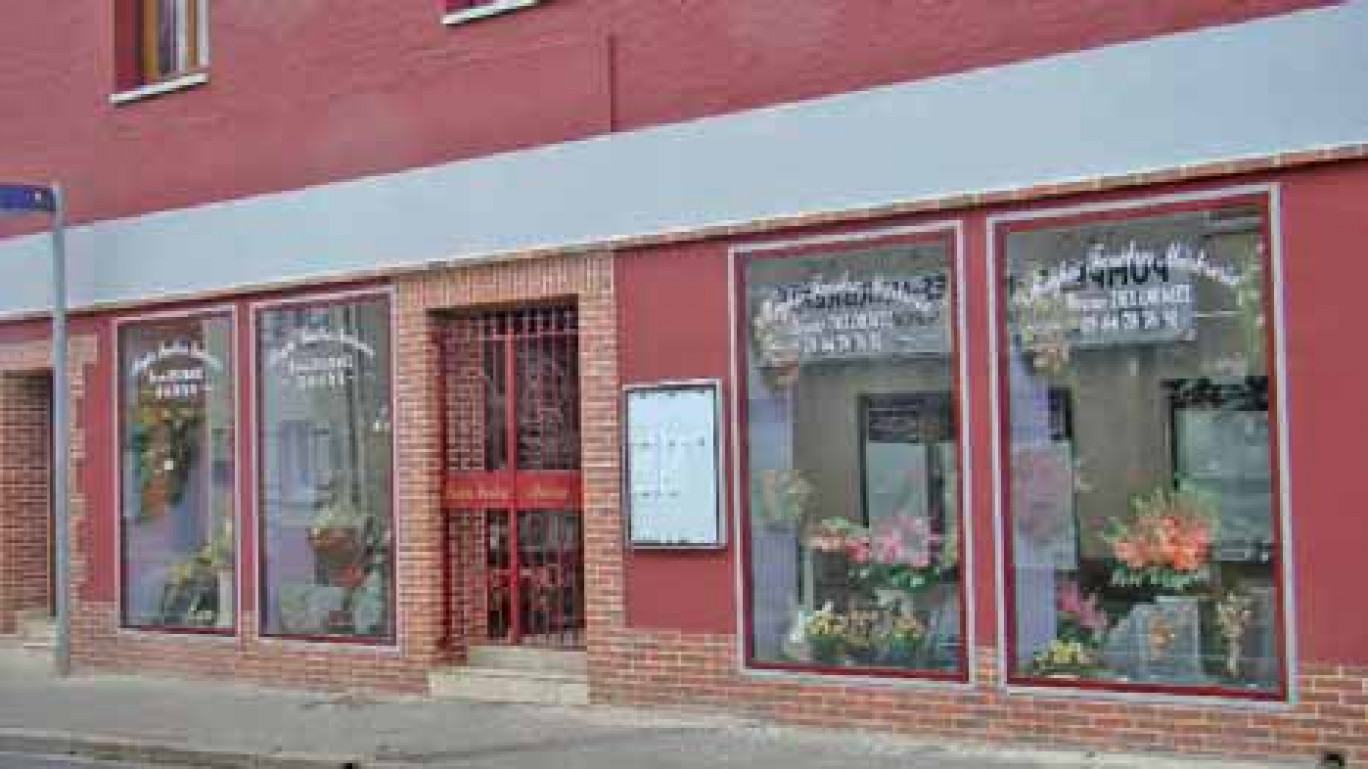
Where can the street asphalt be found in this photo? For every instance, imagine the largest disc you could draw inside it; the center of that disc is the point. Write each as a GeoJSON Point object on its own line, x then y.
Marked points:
{"type": "Point", "coordinates": [28, 761]}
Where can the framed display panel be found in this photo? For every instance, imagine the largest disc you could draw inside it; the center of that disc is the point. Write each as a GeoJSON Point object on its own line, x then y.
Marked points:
{"type": "Point", "coordinates": [672, 464]}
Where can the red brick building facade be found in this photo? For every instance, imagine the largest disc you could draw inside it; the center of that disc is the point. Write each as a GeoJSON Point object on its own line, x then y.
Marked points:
{"type": "Point", "coordinates": [361, 319]}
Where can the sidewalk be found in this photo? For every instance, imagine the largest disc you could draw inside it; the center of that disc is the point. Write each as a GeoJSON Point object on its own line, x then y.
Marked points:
{"type": "Point", "coordinates": [218, 724]}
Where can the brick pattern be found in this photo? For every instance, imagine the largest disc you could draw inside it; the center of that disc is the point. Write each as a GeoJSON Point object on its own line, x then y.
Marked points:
{"type": "Point", "coordinates": [25, 367]}
{"type": "Point", "coordinates": [588, 281]}
{"type": "Point", "coordinates": [25, 441]}
{"type": "Point", "coordinates": [684, 670]}
{"type": "Point", "coordinates": [463, 410]}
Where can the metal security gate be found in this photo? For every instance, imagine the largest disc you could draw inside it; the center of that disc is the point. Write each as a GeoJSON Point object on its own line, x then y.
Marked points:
{"type": "Point", "coordinates": [515, 563]}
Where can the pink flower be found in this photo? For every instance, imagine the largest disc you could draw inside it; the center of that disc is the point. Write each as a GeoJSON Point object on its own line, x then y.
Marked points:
{"type": "Point", "coordinates": [889, 548]}
{"type": "Point", "coordinates": [1067, 599]}
{"type": "Point", "coordinates": [1071, 603]}
{"type": "Point", "coordinates": [858, 549]}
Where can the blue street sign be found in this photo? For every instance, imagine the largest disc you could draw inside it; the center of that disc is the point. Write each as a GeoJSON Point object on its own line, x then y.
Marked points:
{"type": "Point", "coordinates": [26, 198]}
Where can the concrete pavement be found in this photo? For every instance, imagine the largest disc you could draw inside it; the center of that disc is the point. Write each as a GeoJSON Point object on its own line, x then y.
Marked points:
{"type": "Point", "coordinates": [235, 725]}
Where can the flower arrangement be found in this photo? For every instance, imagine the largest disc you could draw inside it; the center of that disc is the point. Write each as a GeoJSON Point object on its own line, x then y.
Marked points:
{"type": "Point", "coordinates": [896, 553]}
{"type": "Point", "coordinates": [825, 633]}
{"type": "Point", "coordinates": [866, 635]}
{"type": "Point", "coordinates": [783, 496]}
{"type": "Point", "coordinates": [1044, 321]}
{"type": "Point", "coordinates": [1233, 616]}
{"type": "Point", "coordinates": [1066, 658]}
{"type": "Point", "coordinates": [164, 442]}
{"type": "Point", "coordinates": [902, 637]}
{"type": "Point", "coordinates": [1165, 544]}
{"type": "Point", "coordinates": [774, 331]}
{"type": "Point", "coordinates": [1079, 619]}
{"type": "Point", "coordinates": [337, 527]}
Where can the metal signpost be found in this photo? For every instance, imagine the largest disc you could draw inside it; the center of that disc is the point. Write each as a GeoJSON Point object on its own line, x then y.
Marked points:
{"type": "Point", "coordinates": [33, 199]}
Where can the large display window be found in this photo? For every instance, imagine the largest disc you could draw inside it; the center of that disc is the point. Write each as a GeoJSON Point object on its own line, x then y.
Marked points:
{"type": "Point", "coordinates": [177, 474]}
{"type": "Point", "coordinates": [852, 464]}
{"type": "Point", "coordinates": [1140, 451]}
{"type": "Point", "coordinates": [325, 472]}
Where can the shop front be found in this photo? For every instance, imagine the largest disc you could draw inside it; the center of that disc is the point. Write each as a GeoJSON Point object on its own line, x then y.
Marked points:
{"type": "Point", "coordinates": [1015, 471]}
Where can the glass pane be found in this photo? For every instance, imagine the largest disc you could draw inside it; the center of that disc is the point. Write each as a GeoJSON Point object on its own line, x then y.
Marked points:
{"type": "Point", "coordinates": [176, 385]}
{"type": "Point", "coordinates": [852, 459]}
{"type": "Point", "coordinates": [1141, 495]}
{"type": "Point", "coordinates": [326, 469]}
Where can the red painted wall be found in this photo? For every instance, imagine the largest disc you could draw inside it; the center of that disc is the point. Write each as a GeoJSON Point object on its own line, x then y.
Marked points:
{"type": "Point", "coordinates": [304, 93]}
{"type": "Point", "coordinates": [1324, 229]}
{"type": "Point", "coordinates": [673, 324]}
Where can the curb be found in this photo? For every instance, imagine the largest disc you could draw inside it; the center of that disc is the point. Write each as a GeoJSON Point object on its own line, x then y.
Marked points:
{"type": "Point", "coordinates": [162, 754]}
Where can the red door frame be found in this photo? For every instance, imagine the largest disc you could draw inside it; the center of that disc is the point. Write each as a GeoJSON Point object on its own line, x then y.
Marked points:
{"type": "Point", "coordinates": [510, 488]}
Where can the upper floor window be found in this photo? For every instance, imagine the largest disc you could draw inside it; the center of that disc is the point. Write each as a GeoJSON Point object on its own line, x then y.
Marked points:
{"type": "Point", "coordinates": [160, 46]}
{"type": "Point", "coordinates": [173, 38]}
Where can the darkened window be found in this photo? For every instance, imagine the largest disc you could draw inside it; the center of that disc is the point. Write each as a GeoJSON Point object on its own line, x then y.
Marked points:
{"type": "Point", "coordinates": [178, 473]}
{"type": "Point", "coordinates": [325, 469]}
{"type": "Point", "coordinates": [173, 38]}
{"type": "Point", "coordinates": [1143, 543]}
{"type": "Point", "coordinates": [852, 461]}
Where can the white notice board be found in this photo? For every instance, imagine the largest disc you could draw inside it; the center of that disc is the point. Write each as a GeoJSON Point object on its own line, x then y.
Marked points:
{"type": "Point", "coordinates": [673, 489]}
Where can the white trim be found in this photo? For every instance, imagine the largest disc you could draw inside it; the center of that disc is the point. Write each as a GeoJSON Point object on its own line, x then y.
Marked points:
{"type": "Point", "coordinates": [142, 634]}
{"type": "Point", "coordinates": [858, 677]}
{"type": "Point", "coordinates": [1149, 698]}
{"type": "Point", "coordinates": [966, 461]}
{"type": "Point", "coordinates": [1289, 572]}
{"type": "Point", "coordinates": [954, 227]}
{"type": "Point", "coordinates": [1285, 577]}
{"type": "Point", "coordinates": [202, 32]}
{"type": "Point", "coordinates": [475, 13]}
{"type": "Point", "coordinates": [231, 310]}
{"type": "Point", "coordinates": [395, 645]}
{"type": "Point", "coordinates": [178, 83]}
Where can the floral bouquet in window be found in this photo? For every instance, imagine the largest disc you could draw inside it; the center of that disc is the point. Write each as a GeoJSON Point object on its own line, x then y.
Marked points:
{"type": "Point", "coordinates": [774, 332]}
{"type": "Point", "coordinates": [897, 553]}
{"type": "Point", "coordinates": [783, 497]}
{"type": "Point", "coordinates": [825, 633]}
{"type": "Point", "coordinates": [1079, 618]}
{"type": "Point", "coordinates": [1066, 659]}
{"type": "Point", "coordinates": [1166, 542]}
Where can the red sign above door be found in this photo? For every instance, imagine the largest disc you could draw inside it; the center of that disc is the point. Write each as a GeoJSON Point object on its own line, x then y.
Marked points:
{"type": "Point", "coordinates": [524, 490]}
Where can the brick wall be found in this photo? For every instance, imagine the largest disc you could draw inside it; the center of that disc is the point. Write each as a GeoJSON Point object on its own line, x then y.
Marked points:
{"type": "Point", "coordinates": [588, 281]}
{"type": "Point", "coordinates": [464, 431]}
{"type": "Point", "coordinates": [24, 510]}
{"type": "Point", "coordinates": [689, 670]}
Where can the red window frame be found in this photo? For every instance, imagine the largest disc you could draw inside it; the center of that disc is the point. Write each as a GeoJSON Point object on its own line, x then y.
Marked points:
{"type": "Point", "coordinates": [168, 319]}
{"type": "Point", "coordinates": [947, 233]}
{"type": "Point", "coordinates": [1121, 212]}
{"type": "Point", "coordinates": [386, 298]}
